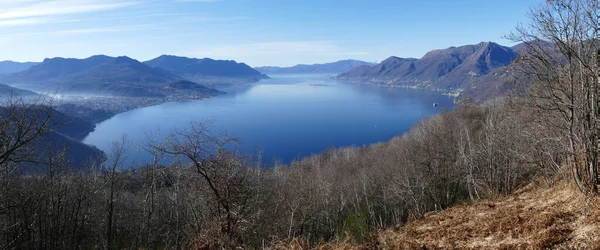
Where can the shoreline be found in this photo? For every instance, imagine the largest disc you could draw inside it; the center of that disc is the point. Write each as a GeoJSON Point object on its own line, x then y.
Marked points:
{"type": "Point", "coordinates": [110, 113]}
{"type": "Point", "coordinates": [435, 96]}
{"type": "Point", "coordinates": [455, 93]}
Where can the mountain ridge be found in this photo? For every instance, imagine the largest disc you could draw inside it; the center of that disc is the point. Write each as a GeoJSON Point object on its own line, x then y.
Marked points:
{"type": "Point", "coordinates": [9, 67]}
{"type": "Point", "coordinates": [454, 69]}
{"type": "Point", "coordinates": [322, 68]}
{"type": "Point", "coordinates": [99, 74]}
{"type": "Point", "coordinates": [206, 70]}
{"type": "Point", "coordinates": [10, 92]}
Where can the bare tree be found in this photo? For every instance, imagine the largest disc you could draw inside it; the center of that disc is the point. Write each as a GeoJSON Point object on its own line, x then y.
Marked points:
{"type": "Point", "coordinates": [561, 59]}
{"type": "Point", "coordinates": [224, 173]}
{"type": "Point", "coordinates": [21, 124]}
{"type": "Point", "coordinates": [117, 159]}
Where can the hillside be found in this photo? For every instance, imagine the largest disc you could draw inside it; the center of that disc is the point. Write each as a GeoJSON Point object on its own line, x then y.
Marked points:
{"type": "Point", "coordinates": [452, 69]}
{"type": "Point", "coordinates": [536, 217]}
{"type": "Point", "coordinates": [8, 67]}
{"type": "Point", "coordinates": [96, 75]}
{"type": "Point", "coordinates": [8, 91]}
{"type": "Point", "coordinates": [207, 70]}
{"type": "Point", "coordinates": [68, 132]}
{"type": "Point", "coordinates": [70, 126]}
{"type": "Point", "coordinates": [63, 132]}
{"type": "Point", "coordinates": [78, 154]}
{"type": "Point", "coordinates": [325, 68]}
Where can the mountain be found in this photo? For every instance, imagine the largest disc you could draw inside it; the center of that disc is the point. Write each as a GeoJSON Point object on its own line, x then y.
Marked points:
{"type": "Point", "coordinates": [8, 67]}
{"type": "Point", "coordinates": [8, 91]}
{"type": "Point", "coordinates": [451, 69]}
{"type": "Point", "coordinates": [390, 67]}
{"type": "Point", "coordinates": [332, 68]}
{"type": "Point", "coordinates": [207, 70]}
{"type": "Point", "coordinates": [103, 75]}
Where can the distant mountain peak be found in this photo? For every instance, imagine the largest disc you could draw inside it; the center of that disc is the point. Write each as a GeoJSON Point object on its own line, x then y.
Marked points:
{"type": "Point", "coordinates": [9, 67]}
{"type": "Point", "coordinates": [47, 60]}
{"type": "Point", "coordinates": [325, 68]}
{"type": "Point", "coordinates": [101, 56]}
{"type": "Point", "coordinates": [449, 69]}
{"type": "Point", "coordinates": [395, 58]}
{"type": "Point", "coordinates": [125, 59]}
{"type": "Point", "coordinates": [200, 69]}
{"type": "Point", "coordinates": [98, 74]}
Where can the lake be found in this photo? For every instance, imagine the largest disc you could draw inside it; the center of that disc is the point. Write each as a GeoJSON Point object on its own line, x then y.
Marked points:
{"type": "Point", "coordinates": [287, 117]}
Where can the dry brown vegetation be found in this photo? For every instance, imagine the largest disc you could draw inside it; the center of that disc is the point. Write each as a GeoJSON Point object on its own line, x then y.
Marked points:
{"type": "Point", "coordinates": [538, 216]}
{"type": "Point", "coordinates": [535, 217]}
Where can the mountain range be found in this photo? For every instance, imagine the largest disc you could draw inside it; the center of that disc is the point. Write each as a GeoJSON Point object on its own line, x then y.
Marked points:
{"type": "Point", "coordinates": [476, 69]}
{"type": "Point", "coordinates": [8, 67]}
{"type": "Point", "coordinates": [206, 70]}
{"type": "Point", "coordinates": [325, 68]}
{"type": "Point", "coordinates": [124, 76]}
{"type": "Point", "coordinates": [481, 70]}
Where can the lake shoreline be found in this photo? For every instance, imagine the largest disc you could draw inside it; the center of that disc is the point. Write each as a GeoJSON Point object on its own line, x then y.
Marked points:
{"type": "Point", "coordinates": [289, 117]}
{"type": "Point", "coordinates": [453, 93]}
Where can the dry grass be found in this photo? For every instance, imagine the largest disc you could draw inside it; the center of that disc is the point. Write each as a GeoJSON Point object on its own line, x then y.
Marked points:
{"type": "Point", "coordinates": [535, 217]}
{"type": "Point", "coordinates": [303, 245]}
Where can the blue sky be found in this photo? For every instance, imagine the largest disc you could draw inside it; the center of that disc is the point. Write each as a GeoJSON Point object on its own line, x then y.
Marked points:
{"type": "Point", "coordinates": [258, 32]}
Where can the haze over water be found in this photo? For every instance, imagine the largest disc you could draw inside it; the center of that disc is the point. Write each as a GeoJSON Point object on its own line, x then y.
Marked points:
{"type": "Point", "coordinates": [287, 117]}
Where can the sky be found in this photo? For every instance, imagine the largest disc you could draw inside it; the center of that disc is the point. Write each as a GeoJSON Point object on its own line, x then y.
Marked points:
{"type": "Point", "coordinates": [257, 32]}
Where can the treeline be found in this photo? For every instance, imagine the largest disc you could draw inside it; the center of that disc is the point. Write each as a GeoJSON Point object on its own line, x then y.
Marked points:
{"type": "Point", "coordinates": [218, 198]}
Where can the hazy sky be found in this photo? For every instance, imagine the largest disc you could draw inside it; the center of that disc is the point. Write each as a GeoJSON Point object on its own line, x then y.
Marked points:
{"type": "Point", "coordinates": [258, 32]}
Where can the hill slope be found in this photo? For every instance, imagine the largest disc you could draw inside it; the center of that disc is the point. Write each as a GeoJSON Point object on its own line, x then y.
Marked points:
{"type": "Point", "coordinates": [535, 217]}
{"type": "Point", "coordinates": [8, 67]}
{"type": "Point", "coordinates": [79, 155]}
{"type": "Point", "coordinates": [332, 68]}
{"type": "Point", "coordinates": [451, 69]}
{"type": "Point", "coordinates": [65, 132]}
{"type": "Point", "coordinates": [8, 91]}
{"type": "Point", "coordinates": [70, 126]}
{"type": "Point", "coordinates": [68, 132]}
{"type": "Point", "coordinates": [206, 70]}
{"type": "Point", "coordinates": [97, 75]}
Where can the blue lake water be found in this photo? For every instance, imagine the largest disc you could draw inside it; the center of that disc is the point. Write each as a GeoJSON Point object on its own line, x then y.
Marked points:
{"type": "Point", "coordinates": [287, 117]}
